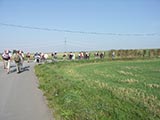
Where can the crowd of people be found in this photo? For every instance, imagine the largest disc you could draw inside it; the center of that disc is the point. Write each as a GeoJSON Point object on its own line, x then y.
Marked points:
{"type": "Point", "coordinates": [18, 57]}
{"type": "Point", "coordinates": [83, 55]}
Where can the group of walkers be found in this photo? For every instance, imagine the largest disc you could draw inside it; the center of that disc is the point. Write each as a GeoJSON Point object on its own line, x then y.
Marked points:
{"type": "Point", "coordinates": [84, 55]}
{"type": "Point", "coordinates": [40, 57]}
{"type": "Point", "coordinates": [72, 55]}
{"type": "Point", "coordinates": [17, 57]}
{"type": "Point", "coordinates": [99, 55]}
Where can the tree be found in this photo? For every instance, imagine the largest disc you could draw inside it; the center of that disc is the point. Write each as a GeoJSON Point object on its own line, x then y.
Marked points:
{"type": "Point", "coordinates": [152, 53]}
{"type": "Point", "coordinates": [158, 52]}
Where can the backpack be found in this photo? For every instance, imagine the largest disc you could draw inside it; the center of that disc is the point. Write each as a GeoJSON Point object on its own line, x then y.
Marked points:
{"type": "Point", "coordinates": [17, 58]}
{"type": "Point", "coordinates": [5, 56]}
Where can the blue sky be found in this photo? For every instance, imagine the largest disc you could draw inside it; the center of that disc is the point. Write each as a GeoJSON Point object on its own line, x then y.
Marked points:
{"type": "Point", "coordinates": [130, 23]}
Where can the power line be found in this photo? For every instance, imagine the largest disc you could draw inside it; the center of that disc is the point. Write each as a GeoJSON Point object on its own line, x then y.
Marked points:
{"type": "Point", "coordinates": [80, 32]}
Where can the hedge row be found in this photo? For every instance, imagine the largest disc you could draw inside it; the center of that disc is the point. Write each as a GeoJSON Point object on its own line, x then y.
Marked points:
{"type": "Point", "coordinates": [141, 53]}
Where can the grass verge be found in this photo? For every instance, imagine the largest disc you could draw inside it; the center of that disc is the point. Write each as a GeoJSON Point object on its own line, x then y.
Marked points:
{"type": "Point", "coordinates": [101, 90]}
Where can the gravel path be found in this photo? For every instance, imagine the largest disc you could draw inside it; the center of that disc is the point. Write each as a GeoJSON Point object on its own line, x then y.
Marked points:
{"type": "Point", "coordinates": [20, 98]}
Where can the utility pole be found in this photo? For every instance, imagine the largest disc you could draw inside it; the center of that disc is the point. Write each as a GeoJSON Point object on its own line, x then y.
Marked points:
{"type": "Point", "coordinates": [65, 43]}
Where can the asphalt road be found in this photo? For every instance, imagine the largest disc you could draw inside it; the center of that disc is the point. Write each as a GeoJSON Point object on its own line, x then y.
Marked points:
{"type": "Point", "coordinates": [20, 98]}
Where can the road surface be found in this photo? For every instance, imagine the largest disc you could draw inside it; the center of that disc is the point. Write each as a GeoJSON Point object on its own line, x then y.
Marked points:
{"type": "Point", "coordinates": [20, 98]}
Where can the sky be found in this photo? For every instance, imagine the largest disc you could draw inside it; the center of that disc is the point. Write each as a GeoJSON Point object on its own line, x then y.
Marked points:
{"type": "Point", "coordinates": [79, 25]}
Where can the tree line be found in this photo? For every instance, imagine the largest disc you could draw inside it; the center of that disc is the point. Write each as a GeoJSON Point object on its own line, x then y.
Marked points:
{"type": "Point", "coordinates": [135, 53]}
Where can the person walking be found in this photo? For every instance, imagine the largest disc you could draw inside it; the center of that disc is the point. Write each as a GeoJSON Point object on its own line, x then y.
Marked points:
{"type": "Point", "coordinates": [113, 55]}
{"type": "Point", "coordinates": [28, 56]}
{"type": "Point", "coordinates": [17, 59]}
{"type": "Point", "coordinates": [21, 57]}
{"type": "Point", "coordinates": [6, 56]}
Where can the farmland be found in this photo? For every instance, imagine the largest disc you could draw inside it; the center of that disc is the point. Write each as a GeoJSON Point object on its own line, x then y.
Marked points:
{"type": "Point", "coordinates": [102, 90]}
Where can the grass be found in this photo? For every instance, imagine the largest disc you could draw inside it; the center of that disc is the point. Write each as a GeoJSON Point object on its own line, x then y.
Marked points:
{"type": "Point", "coordinates": [102, 90]}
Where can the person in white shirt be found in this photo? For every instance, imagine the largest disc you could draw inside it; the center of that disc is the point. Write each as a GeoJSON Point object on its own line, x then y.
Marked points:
{"type": "Point", "coordinates": [6, 56]}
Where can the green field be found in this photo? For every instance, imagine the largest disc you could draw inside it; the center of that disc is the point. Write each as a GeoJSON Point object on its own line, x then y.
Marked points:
{"type": "Point", "coordinates": [102, 90]}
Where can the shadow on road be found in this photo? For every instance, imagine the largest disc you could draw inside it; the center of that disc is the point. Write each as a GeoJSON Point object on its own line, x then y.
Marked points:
{"type": "Point", "coordinates": [26, 68]}
{"type": "Point", "coordinates": [13, 70]}
{"type": "Point", "coordinates": [23, 69]}
{"type": "Point", "coordinates": [12, 66]}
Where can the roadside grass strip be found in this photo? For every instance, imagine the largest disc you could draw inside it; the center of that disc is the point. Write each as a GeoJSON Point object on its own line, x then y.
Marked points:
{"type": "Point", "coordinates": [105, 90]}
